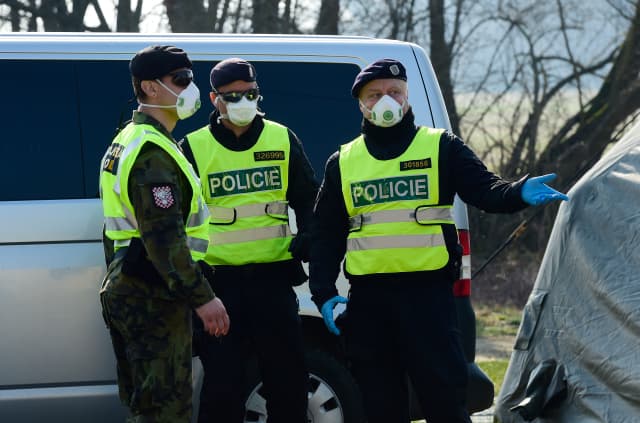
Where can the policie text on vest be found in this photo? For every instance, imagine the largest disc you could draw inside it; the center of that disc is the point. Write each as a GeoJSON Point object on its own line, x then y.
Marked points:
{"type": "Point", "coordinates": [389, 189]}
{"type": "Point", "coordinates": [245, 180]}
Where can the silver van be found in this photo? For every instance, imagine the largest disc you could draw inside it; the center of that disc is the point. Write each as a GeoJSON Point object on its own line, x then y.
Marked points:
{"type": "Point", "coordinates": [64, 96]}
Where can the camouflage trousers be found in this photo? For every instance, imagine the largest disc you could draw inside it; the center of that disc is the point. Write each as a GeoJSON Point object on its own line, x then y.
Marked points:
{"type": "Point", "coordinates": [152, 343]}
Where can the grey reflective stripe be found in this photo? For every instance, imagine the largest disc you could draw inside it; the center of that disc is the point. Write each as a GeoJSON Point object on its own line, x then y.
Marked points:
{"type": "Point", "coordinates": [119, 224]}
{"type": "Point", "coordinates": [197, 244]}
{"type": "Point", "coordinates": [226, 215]}
{"type": "Point", "coordinates": [395, 241]}
{"type": "Point", "coordinates": [119, 243]}
{"type": "Point", "coordinates": [424, 215]}
{"type": "Point", "coordinates": [199, 218]}
{"type": "Point", "coordinates": [254, 234]}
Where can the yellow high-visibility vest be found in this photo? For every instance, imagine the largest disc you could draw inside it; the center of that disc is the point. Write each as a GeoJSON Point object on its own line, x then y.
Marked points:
{"type": "Point", "coordinates": [246, 194]}
{"type": "Point", "coordinates": [120, 220]}
{"type": "Point", "coordinates": [395, 215]}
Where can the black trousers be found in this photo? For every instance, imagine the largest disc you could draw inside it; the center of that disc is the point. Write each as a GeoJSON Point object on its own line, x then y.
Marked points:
{"type": "Point", "coordinates": [265, 323]}
{"type": "Point", "coordinates": [399, 330]}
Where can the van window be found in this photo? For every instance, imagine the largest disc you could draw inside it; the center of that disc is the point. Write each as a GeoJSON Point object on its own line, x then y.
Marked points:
{"type": "Point", "coordinates": [60, 116]}
{"type": "Point", "coordinates": [40, 149]}
{"type": "Point", "coordinates": [105, 100]}
{"type": "Point", "coordinates": [54, 152]}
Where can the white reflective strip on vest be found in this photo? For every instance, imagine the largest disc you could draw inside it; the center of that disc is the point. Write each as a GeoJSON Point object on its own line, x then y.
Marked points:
{"type": "Point", "coordinates": [395, 241]}
{"type": "Point", "coordinates": [197, 244]}
{"type": "Point", "coordinates": [226, 214]}
{"type": "Point", "coordinates": [119, 224]}
{"type": "Point", "coordinates": [254, 234]}
{"type": "Point", "coordinates": [129, 216]}
{"type": "Point", "coordinates": [424, 215]}
{"type": "Point", "coordinates": [119, 243]}
{"type": "Point", "coordinates": [199, 218]}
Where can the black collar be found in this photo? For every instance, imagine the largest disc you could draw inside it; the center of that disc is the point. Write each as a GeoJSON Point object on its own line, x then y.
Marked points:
{"type": "Point", "coordinates": [389, 143]}
{"type": "Point", "coordinates": [228, 139]}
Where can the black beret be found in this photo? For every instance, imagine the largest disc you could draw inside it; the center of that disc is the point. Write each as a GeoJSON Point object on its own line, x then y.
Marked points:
{"type": "Point", "coordinates": [157, 61]}
{"type": "Point", "coordinates": [230, 70]}
{"type": "Point", "coordinates": [380, 69]}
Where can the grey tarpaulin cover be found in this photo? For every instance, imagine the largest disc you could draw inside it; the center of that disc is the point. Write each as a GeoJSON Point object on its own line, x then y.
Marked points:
{"type": "Point", "coordinates": [584, 309]}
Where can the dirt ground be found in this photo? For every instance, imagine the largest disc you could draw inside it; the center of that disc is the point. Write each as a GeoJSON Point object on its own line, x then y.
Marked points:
{"type": "Point", "coordinates": [494, 348]}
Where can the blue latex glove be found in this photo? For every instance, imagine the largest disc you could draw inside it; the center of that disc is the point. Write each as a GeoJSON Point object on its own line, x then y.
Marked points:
{"type": "Point", "coordinates": [327, 313]}
{"type": "Point", "coordinates": [535, 192]}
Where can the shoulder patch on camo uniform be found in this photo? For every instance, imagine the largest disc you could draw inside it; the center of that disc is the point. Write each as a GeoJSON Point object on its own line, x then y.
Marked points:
{"type": "Point", "coordinates": [112, 158]}
{"type": "Point", "coordinates": [163, 197]}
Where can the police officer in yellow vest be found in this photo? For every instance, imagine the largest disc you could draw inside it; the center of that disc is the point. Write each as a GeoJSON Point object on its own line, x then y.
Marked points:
{"type": "Point", "coordinates": [156, 230]}
{"type": "Point", "coordinates": [252, 169]}
{"type": "Point", "coordinates": [385, 206]}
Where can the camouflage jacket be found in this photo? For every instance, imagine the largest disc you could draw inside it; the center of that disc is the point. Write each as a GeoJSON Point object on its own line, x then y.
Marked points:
{"type": "Point", "coordinates": [162, 229]}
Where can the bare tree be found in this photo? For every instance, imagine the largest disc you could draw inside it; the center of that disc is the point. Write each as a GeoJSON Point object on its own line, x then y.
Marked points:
{"type": "Point", "coordinates": [232, 16]}
{"type": "Point", "coordinates": [328, 17]}
{"type": "Point", "coordinates": [55, 15]}
{"type": "Point", "coordinates": [128, 20]}
{"type": "Point", "coordinates": [265, 16]}
{"type": "Point", "coordinates": [441, 54]}
{"type": "Point", "coordinates": [191, 15]}
{"type": "Point", "coordinates": [596, 124]}
{"type": "Point", "coordinates": [213, 16]}
{"type": "Point", "coordinates": [550, 76]}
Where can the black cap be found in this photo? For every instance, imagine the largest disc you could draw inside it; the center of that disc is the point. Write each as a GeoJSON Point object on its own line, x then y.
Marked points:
{"type": "Point", "coordinates": [380, 69]}
{"type": "Point", "coordinates": [157, 61]}
{"type": "Point", "coordinates": [230, 70]}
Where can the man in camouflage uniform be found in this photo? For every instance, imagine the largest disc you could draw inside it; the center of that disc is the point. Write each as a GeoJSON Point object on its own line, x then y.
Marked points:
{"type": "Point", "coordinates": [155, 232]}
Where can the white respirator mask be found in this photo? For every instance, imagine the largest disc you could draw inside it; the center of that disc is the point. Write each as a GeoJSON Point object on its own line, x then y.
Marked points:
{"type": "Point", "coordinates": [187, 102]}
{"type": "Point", "coordinates": [241, 113]}
{"type": "Point", "coordinates": [386, 112]}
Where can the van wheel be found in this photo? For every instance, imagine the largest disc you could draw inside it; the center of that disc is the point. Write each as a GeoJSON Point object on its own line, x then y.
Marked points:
{"type": "Point", "coordinates": [333, 394]}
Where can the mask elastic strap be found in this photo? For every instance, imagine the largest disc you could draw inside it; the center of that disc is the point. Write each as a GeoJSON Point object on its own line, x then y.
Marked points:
{"type": "Point", "coordinates": [167, 88]}
{"type": "Point", "coordinates": [365, 107]}
{"type": "Point", "coordinates": [157, 106]}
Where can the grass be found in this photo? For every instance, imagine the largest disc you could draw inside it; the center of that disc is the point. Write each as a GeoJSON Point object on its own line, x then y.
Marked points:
{"type": "Point", "coordinates": [495, 370]}
{"type": "Point", "coordinates": [496, 321]}
{"type": "Point", "coordinates": [493, 321]}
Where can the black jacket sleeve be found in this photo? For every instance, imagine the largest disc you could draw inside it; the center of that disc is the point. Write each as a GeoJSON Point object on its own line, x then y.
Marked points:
{"type": "Point", "coordinates": [464, 173]}
{"type": "Point", "coordinates": [303, 185]}
{"type": "Point", "coordinates": [329, 235]}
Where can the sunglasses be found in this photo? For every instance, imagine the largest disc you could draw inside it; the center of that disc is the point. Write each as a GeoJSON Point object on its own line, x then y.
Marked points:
{"type": "Point", "coordinates": [182, 78]}
{"type": "Point", "coordinates": [235, 96]}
